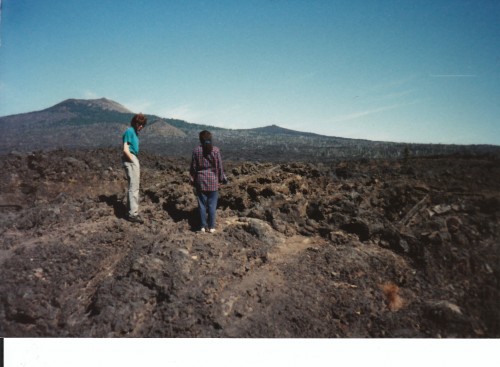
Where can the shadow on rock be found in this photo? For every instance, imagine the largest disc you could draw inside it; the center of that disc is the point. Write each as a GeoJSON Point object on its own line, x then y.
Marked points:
{"type": "Point", "coordinates": [178, 215]}
{"type": "Point", "coordinates": [119, 207]}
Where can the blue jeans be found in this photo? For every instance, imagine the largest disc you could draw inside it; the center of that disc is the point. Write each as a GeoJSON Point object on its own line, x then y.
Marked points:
{"type": "Point", "coordinates": [207, 201]}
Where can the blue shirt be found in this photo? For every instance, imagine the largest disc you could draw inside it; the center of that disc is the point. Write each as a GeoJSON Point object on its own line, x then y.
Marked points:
{"type": "Point", "coordinates": [130, 137]}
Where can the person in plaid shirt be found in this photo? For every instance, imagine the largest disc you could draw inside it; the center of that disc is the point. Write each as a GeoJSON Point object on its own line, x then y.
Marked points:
{"type": "Point", "coordinates": [207, 173]}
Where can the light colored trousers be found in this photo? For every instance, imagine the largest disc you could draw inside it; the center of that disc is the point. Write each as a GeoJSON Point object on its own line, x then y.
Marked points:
{"type": "Point", "coordinates": [133, 172]}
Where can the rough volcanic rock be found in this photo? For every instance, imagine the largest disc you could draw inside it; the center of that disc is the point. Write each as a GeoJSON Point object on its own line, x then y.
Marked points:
{"type": "Point", "coordinates": [351, 249]}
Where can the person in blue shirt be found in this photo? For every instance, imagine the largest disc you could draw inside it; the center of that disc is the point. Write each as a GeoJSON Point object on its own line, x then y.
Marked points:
{"type": "Point", "coordinates": [131, 165]}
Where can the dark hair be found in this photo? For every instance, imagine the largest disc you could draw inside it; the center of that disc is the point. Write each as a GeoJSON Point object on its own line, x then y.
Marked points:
{"type": "Point", "coordinates": [206, 142]}
{"type": "Point", "coordinates": [138, 119]}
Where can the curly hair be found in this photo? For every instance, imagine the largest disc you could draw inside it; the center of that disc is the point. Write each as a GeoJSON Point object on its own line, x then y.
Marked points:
{"type": "Point", "coordinates": [138, 119]}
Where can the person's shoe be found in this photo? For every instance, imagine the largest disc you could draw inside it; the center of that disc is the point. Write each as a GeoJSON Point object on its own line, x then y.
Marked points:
{"type": "Point", "coordinates": [212, 230]}
{"type": "Point", "coordinates": [202, 230]}
{"type": "Point", "coordinates": [135, 219]}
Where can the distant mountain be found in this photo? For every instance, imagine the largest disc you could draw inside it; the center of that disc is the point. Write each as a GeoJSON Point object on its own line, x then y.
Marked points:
{"type": "Point", "coordinates": [71, 110]}
{"type": "Point", "coordinates": [276, 130]}
{"type": "Point", "coordinates": [84, 105]}
{"type": "Point", "coordinates": [77, 123]}
{"type": "Point", "coordinates": [93, 123]}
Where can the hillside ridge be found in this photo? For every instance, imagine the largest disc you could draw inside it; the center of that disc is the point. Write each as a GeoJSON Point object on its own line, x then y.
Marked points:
{"type": "Point", "coordinates": [99, 123]}
{"type": "Point", "coordinates": [103, 103]}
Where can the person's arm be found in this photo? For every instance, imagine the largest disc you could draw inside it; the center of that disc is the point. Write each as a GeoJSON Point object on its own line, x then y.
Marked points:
{"type": "Point", "coordinates": [126, 151]}
{"type": "Point", "coordinates": [192, 169]}
{"type": "Point", "coordinates": [222, 177]}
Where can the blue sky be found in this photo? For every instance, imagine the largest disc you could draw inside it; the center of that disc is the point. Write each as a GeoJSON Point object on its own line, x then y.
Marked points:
{"type": "Point", "coordinates": [422, 71]}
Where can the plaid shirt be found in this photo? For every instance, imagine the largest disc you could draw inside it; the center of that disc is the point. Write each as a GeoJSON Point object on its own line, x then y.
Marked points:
{"type": "Point", "coordinates": [206, 172]}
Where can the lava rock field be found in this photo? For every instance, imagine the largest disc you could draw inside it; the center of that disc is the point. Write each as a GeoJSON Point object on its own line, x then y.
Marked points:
{"type": "Point", "coordinates": [349, 249]}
